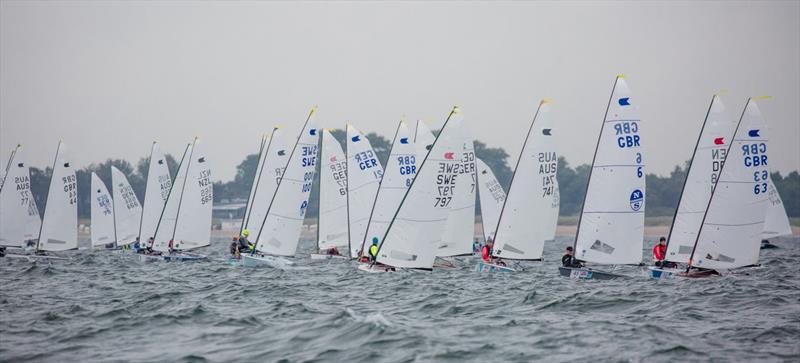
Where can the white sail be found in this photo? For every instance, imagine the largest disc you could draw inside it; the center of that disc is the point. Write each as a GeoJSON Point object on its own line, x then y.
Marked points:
{"type": "Point", "coordinates": [364, 173]}
{"type": "Point", "coordinates": [280, 232]}
{"type": "Point", "coordinates": [158, 186]}
{"type": "Point", "coordinates": [730, 235]}
{"type": "Point", "coordinates": [709, 155]}
{"type": "Point", "coordinates": [262, 156]}
{"type": "Point", "coordinates": [530, 212]}
{"type": "Point", "coordinates": [423, 139]}
{"type": "Point", "coordinates": [165, 229]}
{"type": "Point", "coordinates": [193, 227]}
{"type": "Point", "coordinates": [401, 168]}
{"type": "Point", "coordinates": [417, 228]}
{"type": "Point", "coordinates": [611, 227]}
{"type": "Point", "coordinates": [19, 217]}
{"type": "Point", "coordinates": [776, 222]}
{"type": "Point", "coordinates": [59, 230]}
{"type": "Point", "coordinates": [102, 213]}
{"type": "Point", "coordinates": [491, 196]}
{"type": "Point", "coordinates": [332, 223]}
{"type": "Point", "coordinates": [127, 210]}
{"type": "Point", "coordinates": [276, 155]}
{"type": "Point", "coordinates": [460, 229]}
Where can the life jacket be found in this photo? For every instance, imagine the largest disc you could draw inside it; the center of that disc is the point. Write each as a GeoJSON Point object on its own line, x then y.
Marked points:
{"type": "Point", "coordinates": [659, 252]}
{"type": "Point", "coordinates": [373, 250]}
{"type": "Point", "coordinates": [485, 254]}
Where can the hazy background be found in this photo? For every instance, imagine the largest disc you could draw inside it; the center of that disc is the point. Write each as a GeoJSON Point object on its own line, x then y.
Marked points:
{"type": "Point", "coordinates": [110, 77]}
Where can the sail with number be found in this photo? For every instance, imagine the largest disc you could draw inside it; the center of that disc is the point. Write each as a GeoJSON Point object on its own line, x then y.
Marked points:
{"type": "Point", "coordinates": [611, 225]}
{"type": "Point", "coordinates": [272, 162]}
{"type": "Point", "coordinates": [280, 232]}
{"type": "Point", "coordinates": [401, 168]}
{"type": "Point", "coordinates": [530, 212]}
{"type": "Point", "coordinates": [364, 173]}
{"type": "Point", "coordinates": [776, 222]}
{"type": "Point", "coordinates": [332, 223]}
{"type": "Point", "coordinates": [460, 229]}
{"type": "Point", "coordinates": [417, 228]}
{"type": "Point", "coordinates": [165, 229]}
{"type": "Point", "coordinates": [730, 233]}
{"type": "Point", "coordinates": [491, 197]}
{"type": "Point", "coordinates": [159, 183]}
{"type": "Point", "coordinates": [127, 210]}
{"type": "Point", "coordinates": [703, 172]}
{"type": "Point", "coordinates": [19, 216]}
{"type": "Point", "coordinates": [59, 231]}
{"type": "Point", "coordinates": [102, 213]}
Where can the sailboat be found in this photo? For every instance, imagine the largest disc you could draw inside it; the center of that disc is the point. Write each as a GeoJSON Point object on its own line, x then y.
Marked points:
{"type": "Point", "coordinates": [730, 231]}
{"type": "Point", "coordinates": [103, 232]}
{"type": "Point", "coordinates": [127, 209]}
{"type": "Point", "coordinates": [332, 223]}
{"type": "Point", "coordinates": [401, 168]}
{"type": "Point", "coordinates": [530, 212]}
{"type": "Point", "coordinates": [19, 216]}
{"type": "Point", "coordinates": [701, 176]}
{"type": "Point", "coordinates": [159, 183]}
{"type": "Point", "coordinates": [417, 227]}
{"type": "Point", "coordinates": [364, 174]}
{"type": "Point", "coordinates": [611, 225]}
{"type": "Point", "coordinates": [491, 197]}
{"type": "Point", "coordinates": [185, 222]}
{"type": "Point", "coordinates": [59, 229]}
{"type": "Point", "coordinates": [279, 234]}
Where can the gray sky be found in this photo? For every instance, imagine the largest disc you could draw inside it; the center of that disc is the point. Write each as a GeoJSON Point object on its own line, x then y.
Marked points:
{"type": "Point", "coordinates": [110, 77]}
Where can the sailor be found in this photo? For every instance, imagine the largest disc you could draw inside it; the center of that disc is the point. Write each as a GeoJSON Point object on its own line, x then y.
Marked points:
{"type": "Point", "coordinates": [660, 252]}
{"type": "Point", "coordinates": [333, 251]}
{"type": "Point", "coordinates": [486, 252]}
{"type": "Point", "coordinates": [244, 243]}
{"type": "Point", "coordinates": [234, 248]}
{"type": "Point", "coordinates": [136, 244]}
{"type": "Point", "coordinates": [373, 250]}
{"type": "Point", "coordinates": [568, 260]}
{"type": "Point", "coordinates": [170, 245]}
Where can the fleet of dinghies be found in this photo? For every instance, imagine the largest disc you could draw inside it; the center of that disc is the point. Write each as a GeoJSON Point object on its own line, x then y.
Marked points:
{"type": "Point", "coordinates": [418, 210]}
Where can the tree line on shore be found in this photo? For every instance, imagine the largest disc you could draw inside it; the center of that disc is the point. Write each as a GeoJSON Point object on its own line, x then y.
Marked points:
{"type": "Point", "coordinates": [662, 194]}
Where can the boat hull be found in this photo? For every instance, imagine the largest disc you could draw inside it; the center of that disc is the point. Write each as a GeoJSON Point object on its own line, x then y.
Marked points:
{"type": "Point", "coordinates": [489, 267]}
{"type": "Point", "coordinates": [663, 273]}
{"type": "Point", "coordinates": [586, 274]}
{"type": "Point", "coordinates": [260, 261]}
{"type": "Point", "coordinates": [319, 256]}
{"type": "Point", "coordinates": [375, 268]}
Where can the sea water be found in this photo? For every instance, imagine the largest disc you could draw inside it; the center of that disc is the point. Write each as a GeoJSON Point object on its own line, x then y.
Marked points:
{"type": "Point", "coordinates": [105, 306]}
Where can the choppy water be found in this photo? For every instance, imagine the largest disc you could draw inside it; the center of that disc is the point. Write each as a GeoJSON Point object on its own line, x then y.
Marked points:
{"type": "Point", "coordinates": [103, 306]}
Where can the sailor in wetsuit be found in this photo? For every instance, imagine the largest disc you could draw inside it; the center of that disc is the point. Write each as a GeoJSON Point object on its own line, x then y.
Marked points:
{"type": "Point", "coordinates": [568, 260]}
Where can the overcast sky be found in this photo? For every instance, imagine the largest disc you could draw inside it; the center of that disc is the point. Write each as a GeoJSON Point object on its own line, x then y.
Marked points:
{"type": "Point", "coordinates": [110, 77]}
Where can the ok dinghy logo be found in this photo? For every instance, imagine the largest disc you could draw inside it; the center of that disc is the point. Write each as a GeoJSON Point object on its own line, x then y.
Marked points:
{"type": "Point", "coordinates": [312, 132]}
{"type": "Point", "coordinates": [719, 141]}
{"type": "Point", "coordinates": [448, 156]}
{"type": "Point", "coordinates": [546, 132]}
{"type": "Point", "coordinates": [281, 152]}
{"type": "Point", "coordinates": [333, 159]}
{"type": "Point", "coordinates": [356, 138]}
{"type": "Point", "coordinates": [624, 101]}
{"type": "Point", "coordinates": [637, 198]}
{"type": "Point", "coordinates": [753, 133]}
{"type": "Point", "coordinates": [160, 161]}
{"type": "Point", "coordinates": [404, 140]}
{"type": "Point", "coordinates": [21, 165]}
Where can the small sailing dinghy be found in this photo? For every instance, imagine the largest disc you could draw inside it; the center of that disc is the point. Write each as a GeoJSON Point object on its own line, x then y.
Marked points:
{"type": "Point", "coordinates": [280, 231]}
{"type": "Point", "coordinates": [332, 221]}
{"type": "Point", "coordinates": [529, 215]}
{"type": "Point", "coordinates": [102, 214]}
{"type": "Point", "coordinates": [185, 222]}
{"type": "Point", "coordinates": [364, 174]}
{"type": "Point", "coordinates": [730, 231]}
{"type": "Point", "coordinates": [159, 184]}
{"type": "Point", "coordinates": [59, 228]}
{"type": "Point", "coordinates": [491, 197]}
{"type": "Point", "coordinates": [415, 232]}
{"type": "Point", "coordinates": [611, 225]}
{"type": "Point", "coordinates": [401, 168]}
{"type": "Point", "coordinates": [702, 174]}
{"type": "Point", "coordinates": [19, 216]}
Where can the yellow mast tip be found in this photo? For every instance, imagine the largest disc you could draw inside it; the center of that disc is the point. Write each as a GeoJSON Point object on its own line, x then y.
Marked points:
{"type": "Point", "coordinates": [621, 75]}
{"type": "Point", "coordinates": [762, 98]}
{"type": "Point", "coordinates": [547, 100]}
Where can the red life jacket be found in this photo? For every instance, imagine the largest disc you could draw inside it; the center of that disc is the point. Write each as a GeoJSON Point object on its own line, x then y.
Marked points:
{"type": "Point", "coordinates": [485, 253]}
{"type": "Point", "coordinates": [659, 252]}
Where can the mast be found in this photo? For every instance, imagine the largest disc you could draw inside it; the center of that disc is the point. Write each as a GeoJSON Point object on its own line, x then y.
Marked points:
{"type": "Point", "coordinates": [347, 186]}
{"type": "Point", "coordinates": [259, 170]}
{"type": "Point", "coordinates": [141, 215]}
{"type": "Point", "coordinates": [8, 165]}
{"type": "Point", "coordinates": [286, 166]}
{"type": "Point", "coordinates": [519, 159]}
{"type": "Point", "coordinates": [113, 210]}
{"type": "Point", "coordinates": [591, 170]}
{"type": "Point", "coordinates": [55, 160]}
{"type": "Point", "coordinates": [170, 193]}
{"type": "Point", "coordinates": [688, 170]}
{"type": "Point", "coordinates": [714, 188]}
{"type": "Point", "coordinates": [183, 188]}
{"type": "Point", "coordinates": [408, 190]}
{"type": "Point", "coordinates": [380, 183]}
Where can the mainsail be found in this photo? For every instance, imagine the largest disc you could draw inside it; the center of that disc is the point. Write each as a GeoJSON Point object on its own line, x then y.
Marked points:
{"type": "Point", "coordinates": [364, 173]}
{"type": "Point", "coordinates": [272, 162]}
{"type": "Point", "coordinates": [158, 186]}
{"type": "Point", "coordinates": [165, 228]}
{"type": "Point", "coordinates": [730, 233]}
{"type": "Point", "coordinates": [332, 223]}
{"type": "Point", "coordinates": [611, 226]}
{"type": "Point", "coordinates": [59, 229]}
{"type": "Point", "coordinates": [491, 196]}
{"type": "Point", "coordinates": [127, 210]}
{"type": "Point", "coordinates": [19, 217]}
{"type": "Point", "coordinates": [460, 228]}
{"type": "Point", "coordinates": [418, 225]}
{"type": "Point", "coordinates": [102, 213]}
{"type": "Point", "coordinates": [423, 139]}
{"type": "Point", "coordinates": [776, 222]}
{"type": "Point", "coordinates": [530, 211]}
{"type": "Point", "coordinates": [280, 232]}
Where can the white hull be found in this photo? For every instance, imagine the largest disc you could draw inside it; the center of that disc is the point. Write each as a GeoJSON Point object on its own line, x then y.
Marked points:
{"type": "Point", "coordinates": [490, 267]}
{"type": "Point", "coordinates": [375, 268]}
{"type": "Point", "coordinates": [270, 261]}
{"type": "Point", "coordinates": [319, 256]}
